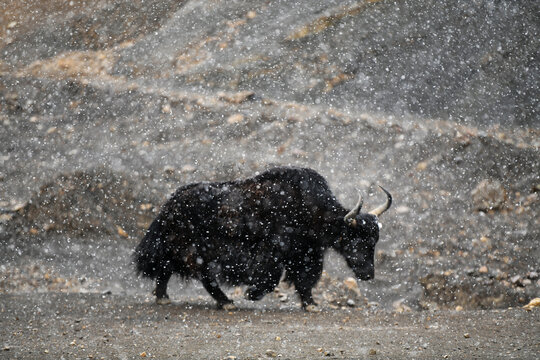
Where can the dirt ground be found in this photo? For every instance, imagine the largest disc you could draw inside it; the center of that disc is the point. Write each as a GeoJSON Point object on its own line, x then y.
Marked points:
{"type": "Point", "coordinates": [82, 326]}
{"type": "Point", "coordinates": [106, 107]}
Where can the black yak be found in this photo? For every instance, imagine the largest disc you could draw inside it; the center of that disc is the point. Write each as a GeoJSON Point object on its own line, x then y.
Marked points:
{"type": "Point", "coordinates": [248, 232]}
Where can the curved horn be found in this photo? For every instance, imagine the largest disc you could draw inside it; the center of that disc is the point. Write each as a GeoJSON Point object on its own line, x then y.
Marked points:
{"type": "Point", "coordinates": [352, 214]}
{"type": "Point", "coordinates": [379, 210]}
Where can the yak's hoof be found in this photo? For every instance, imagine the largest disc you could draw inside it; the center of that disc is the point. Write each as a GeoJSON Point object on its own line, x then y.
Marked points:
{"type": "Point", "coordinates": [253, 294]}
{"type": "Point", "coordinates": [312, 308]}
{"type": "Point", "coordinates": [163, 301]}
{"type": "Point", "coordinates": [228, 307]}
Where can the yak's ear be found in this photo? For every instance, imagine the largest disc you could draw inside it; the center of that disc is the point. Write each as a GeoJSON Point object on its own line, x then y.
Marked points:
{"type": "Point", "coordinates": [351, 222]}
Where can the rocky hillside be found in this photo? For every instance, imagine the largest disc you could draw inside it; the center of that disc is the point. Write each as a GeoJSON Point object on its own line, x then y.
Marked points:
{"type": "Point", "coordinates": [472, 62]}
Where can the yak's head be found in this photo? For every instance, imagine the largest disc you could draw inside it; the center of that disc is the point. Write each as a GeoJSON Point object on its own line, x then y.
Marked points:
{"type": "Point", "coordinates": [360, 233]}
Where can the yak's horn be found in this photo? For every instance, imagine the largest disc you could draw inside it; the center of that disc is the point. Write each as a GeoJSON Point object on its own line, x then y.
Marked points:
{"type": "Point", "coordinates": [379, 210]}
{"type": "Point", "coordinates": [352, 214]}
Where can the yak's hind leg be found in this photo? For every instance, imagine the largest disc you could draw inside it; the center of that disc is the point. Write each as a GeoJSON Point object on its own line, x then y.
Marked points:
{"type": "Point", "coordinates": [211, 285]}
{"type": "Point", "coordinates": [265, 282]}
{"type": "Point", "coordinates": [161, 288]}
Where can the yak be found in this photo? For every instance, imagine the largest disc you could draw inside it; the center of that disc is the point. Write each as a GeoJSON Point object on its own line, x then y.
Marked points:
{"type": "Point", "coordinates": [249, 232]}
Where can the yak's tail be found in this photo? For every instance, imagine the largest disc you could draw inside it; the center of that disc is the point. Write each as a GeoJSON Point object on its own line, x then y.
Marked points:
{"type": "Point", "coordinates": [150, 256]}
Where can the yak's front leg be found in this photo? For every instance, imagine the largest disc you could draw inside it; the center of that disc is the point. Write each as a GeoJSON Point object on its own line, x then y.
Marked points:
{"type": "Point", "coordinates": [306, 297]}
{"type": "Point", "coordinates": [211, 285]}
{"type": "Point", "coordinates": [303, 286]}
{"type": "Point", "coordinates": [304, 275]}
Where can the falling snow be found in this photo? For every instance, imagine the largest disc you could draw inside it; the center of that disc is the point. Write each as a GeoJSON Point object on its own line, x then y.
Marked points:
{"type": "Point", "coordinates": [107, 107]}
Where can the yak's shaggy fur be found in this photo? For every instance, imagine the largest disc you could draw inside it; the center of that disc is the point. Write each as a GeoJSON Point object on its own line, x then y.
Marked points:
{"type": "Point", "coordinates": [250, 231]}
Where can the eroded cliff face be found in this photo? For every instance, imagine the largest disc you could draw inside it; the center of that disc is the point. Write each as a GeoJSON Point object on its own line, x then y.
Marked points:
{"type": "Point", "coordinates": [473, 62]}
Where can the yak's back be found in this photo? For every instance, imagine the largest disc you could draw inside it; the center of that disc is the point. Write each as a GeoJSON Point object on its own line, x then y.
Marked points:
{"type": "Point", "coordinates": [275, 198]}
{"type": "Point", "coordinates": [311, 186]}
